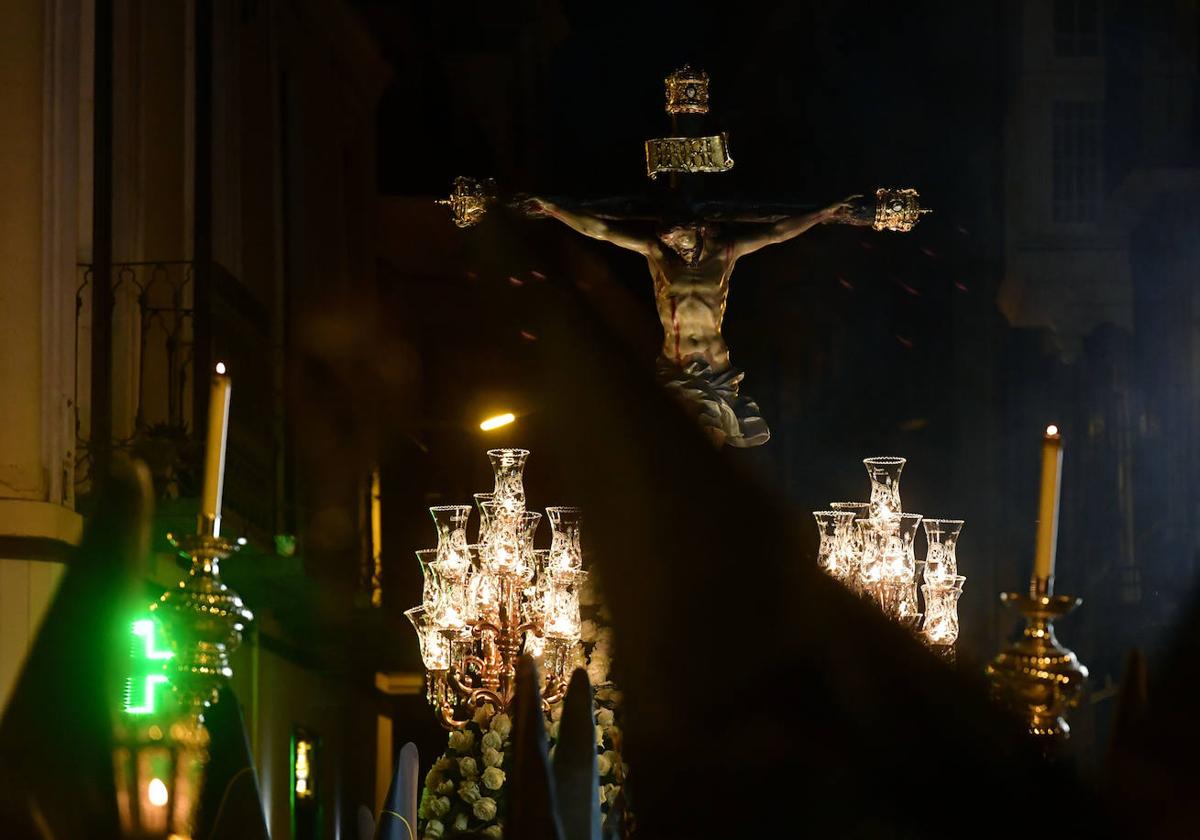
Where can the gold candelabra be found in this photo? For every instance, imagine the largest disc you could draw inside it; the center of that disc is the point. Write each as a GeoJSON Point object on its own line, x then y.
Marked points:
{"type": "Point", "coordinates": [486, 604]}
{"type": "Point", "coordinates": [488, 675]}
{"type": "Point", "coordinates": [869, 548]}
{"type": "Point", "coordinates": [1036, 675]}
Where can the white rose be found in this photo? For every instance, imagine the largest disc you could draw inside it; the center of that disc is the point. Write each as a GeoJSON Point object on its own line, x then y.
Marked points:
{"type": "Point", "coordinates": [610, 793]}
{"type": "Point", "coordinates": [493, 778]}
{"type": "Point", "coordinates": [587, 630]}
{"type": "Point", "coordinates": [483, 714]}
{"type": "Point", "coordinates": [491, 740]}
{"type": "Point", "coordinates": [614, 760]}
{"type": "Point", "coordinates": [440, 806]}
{"type": "Point", "coordinates": [434, 830]}
{"type": "Point", "coordinates": [447, 786]}
{"type": "Point", "coordinates": [468, 792]}
{"type": "Point", "coordinates": [492, 758]}
{"type": "Point", "coordinates": [433, 778]}
{"type": "Point", "coordinates": [614, 735]}
{"type": "Point", "coordinates": [604, 636]}
{"type": "Point", "coordinates": [599, 736]}
{"type": "Point", "coordinates": [460, 822]}
{"type": "Point", "coordinates": [604, 717]}
{"type": "Point", "coordinates": [485, 809]}
{"type": "Point", "coordinates": [502, 725]}
{"type": "Point", "coordinates": [443, 764]}
{"type": "Point", "coordinates": [603, 765]}
{"type": "Point", "coordinates": [494, 831]}
{"type": "Point", "coordinates": [462, 740]}
{"type": "Point", "coordinates": [468, 767]}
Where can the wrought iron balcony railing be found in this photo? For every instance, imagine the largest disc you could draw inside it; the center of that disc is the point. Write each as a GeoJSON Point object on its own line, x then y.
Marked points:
{"type": "Point", "coordinates": [153, 385]}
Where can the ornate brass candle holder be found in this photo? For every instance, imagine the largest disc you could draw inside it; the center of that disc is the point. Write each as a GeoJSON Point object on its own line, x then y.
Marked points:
{"type": "Point", "coordinates": [203, 619]}
{"type": "Point", "coordinates": [1038, 677]}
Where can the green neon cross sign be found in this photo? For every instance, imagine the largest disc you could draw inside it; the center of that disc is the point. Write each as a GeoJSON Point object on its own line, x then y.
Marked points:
{"type": "Point", "coordinates": [147, 666]}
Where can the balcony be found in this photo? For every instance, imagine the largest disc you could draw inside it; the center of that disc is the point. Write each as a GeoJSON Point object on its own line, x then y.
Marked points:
{"type": "Point", "coordinates": [154, 389]}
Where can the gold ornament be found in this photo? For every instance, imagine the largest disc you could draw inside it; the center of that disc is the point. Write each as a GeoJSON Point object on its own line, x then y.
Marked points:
{"type": "Point", "coordinates": [469, 199]}
{"type": "Point", "coordinates": [687, 91]}
{"type": "Point", "coordinates": [897, 210]}
{"type": "Point", "coordinates": [688, 154]}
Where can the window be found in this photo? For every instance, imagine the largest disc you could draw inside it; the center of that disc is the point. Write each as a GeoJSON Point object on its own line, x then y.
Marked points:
{"type": "Point", "coordinates": [306, 804]}
{"type": "Point", "coordinates": [1076, 161]}
{"type": "Point", "coordinates": [1076, 27]}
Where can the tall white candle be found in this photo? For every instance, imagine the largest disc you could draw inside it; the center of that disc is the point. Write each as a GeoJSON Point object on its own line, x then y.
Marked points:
{"type": "Point", "coordinates": [1047, 528]}
{"type": "Point", "coordinates": [214, 451]}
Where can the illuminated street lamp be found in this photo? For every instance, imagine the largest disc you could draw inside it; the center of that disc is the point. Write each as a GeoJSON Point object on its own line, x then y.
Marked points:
{"type": "Point", "coordinates": [497, 421]}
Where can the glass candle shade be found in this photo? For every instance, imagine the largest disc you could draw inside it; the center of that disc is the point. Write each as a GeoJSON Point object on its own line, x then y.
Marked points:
{"type": "Point", "coordinates": [884, 473]}
{"type": "Point", "coordinates": [566, 550]}
{"type": "Point", "coordinates": [451, 523]}
{"type": "Point", "coordinates": [941, 609]}
{"type": "Point", "coordinates": [508, 465]}
{"type": "Point", "coordinates": [940, 559]}
{"type": "Point", "coordinates": [480, 498]}
{"type": "Point", "coordinates": [485, 596]}
{"type": "Point", "coordinates": [852, 546]}
{"type": "Point", "coordinates": [898, 600]}
{"type": "Point", "coordinates": [898, 562]}
{"type": "Point", "coordinates": [834, 526]}
{"type": "Point", "coordinates": [527, 526]}
{"type": "Point", "coordinates": [534, 645]}
{"type": "Point", "coordinates": [536, 592]}
{"type": "Point", "coordinates": [443, 598]}
{"type": "Point", "coordinates": [870, 567]}
{"type": "Point", "coordinates": [432, 583]}
{"type": "Point", "coordinates": [435, 648]}
{"type": "Point", "coordinates": [562, 606]}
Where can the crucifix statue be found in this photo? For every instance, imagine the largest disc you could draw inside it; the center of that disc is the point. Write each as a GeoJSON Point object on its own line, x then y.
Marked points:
{"type": "Point", "coordinates": [691, 250]}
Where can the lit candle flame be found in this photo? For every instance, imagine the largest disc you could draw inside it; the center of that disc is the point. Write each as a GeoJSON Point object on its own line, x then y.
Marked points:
{"type": "Point", "coordinates": [156, 792]}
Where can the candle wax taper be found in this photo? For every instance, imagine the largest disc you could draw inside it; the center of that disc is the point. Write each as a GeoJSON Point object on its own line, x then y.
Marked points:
{"type": "Point", "coordinates": [214, 451]}
{"type": "Point", "coordinates": [1047, 528]}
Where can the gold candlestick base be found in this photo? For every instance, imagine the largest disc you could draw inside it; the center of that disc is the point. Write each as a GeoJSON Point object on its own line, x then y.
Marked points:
{"type": "Point", "coordinates": [203, 620]}
{"type": "Point", "coordinates": [1038, 677]}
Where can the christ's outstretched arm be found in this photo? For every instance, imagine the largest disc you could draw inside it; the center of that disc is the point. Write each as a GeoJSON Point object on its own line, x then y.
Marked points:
{"type": "Point", "coordinates": [619, 235]}
{"type": "Point", "coordinates": [848, 212]}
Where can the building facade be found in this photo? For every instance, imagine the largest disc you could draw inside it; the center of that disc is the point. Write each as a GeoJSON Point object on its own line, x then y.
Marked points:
{"type": "Point", "coordinates": [205, 173]}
